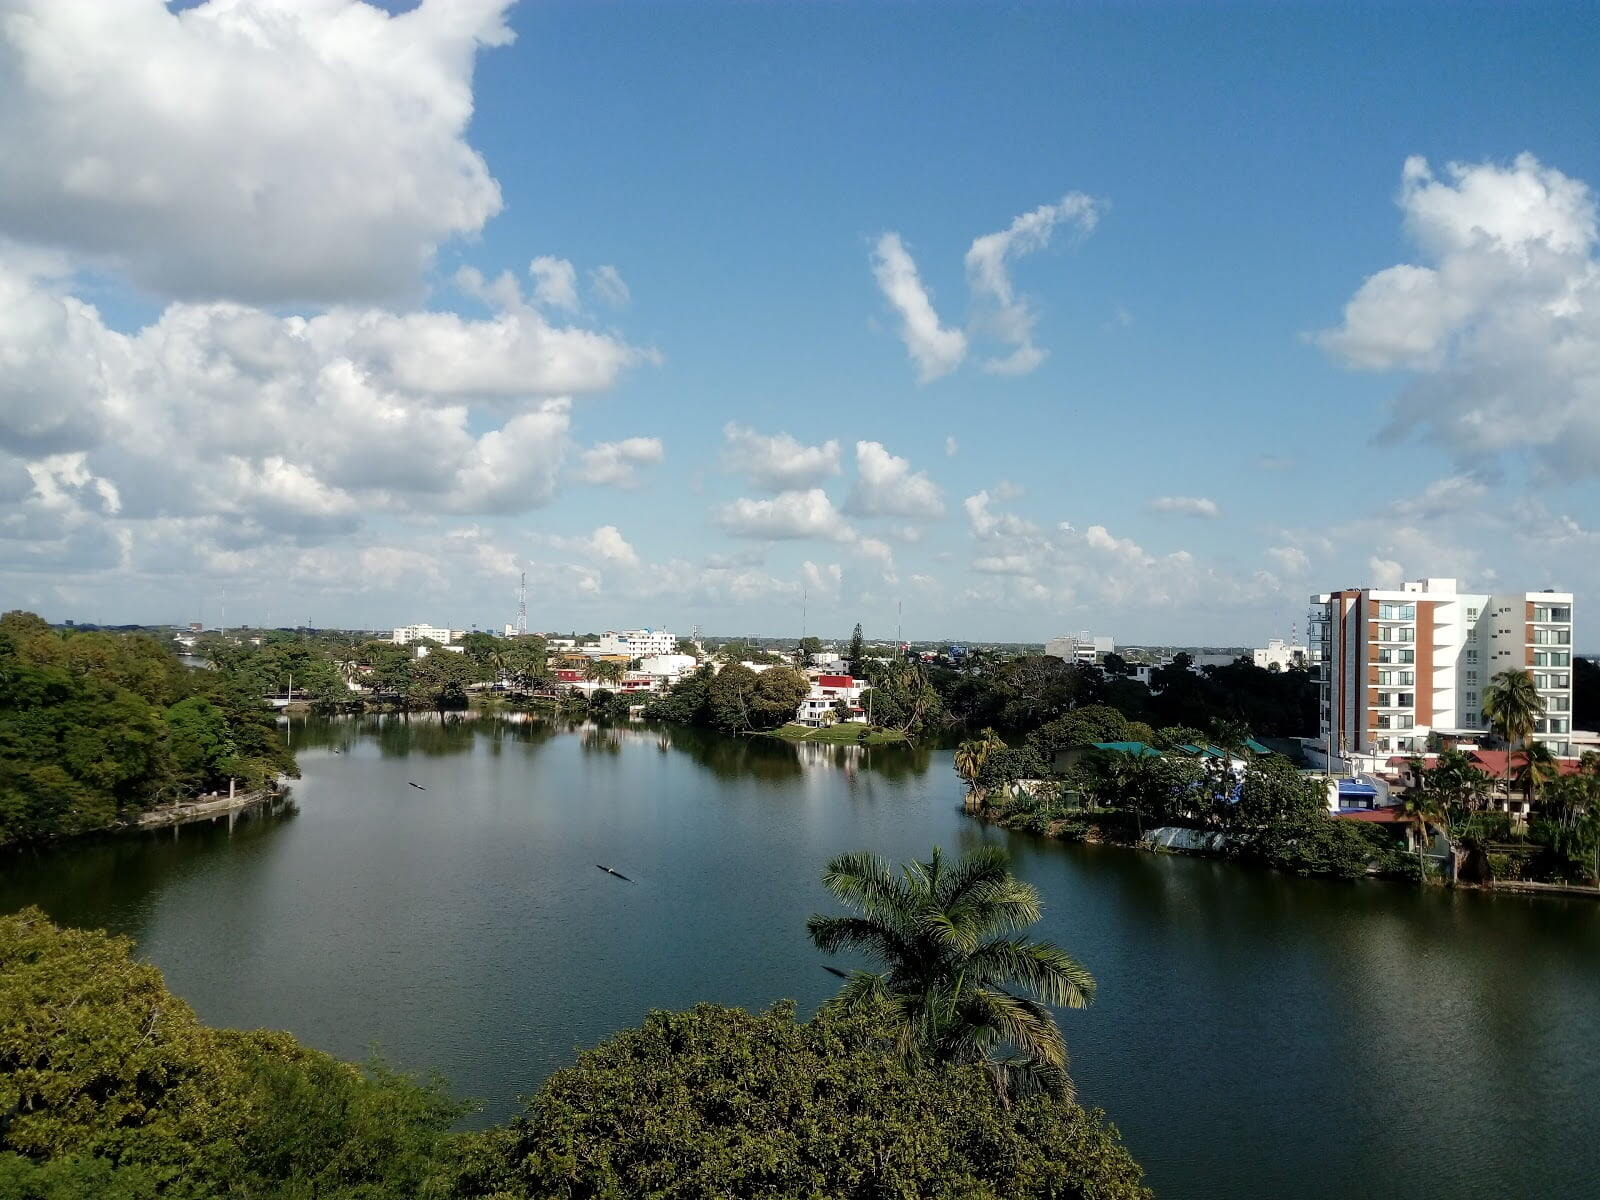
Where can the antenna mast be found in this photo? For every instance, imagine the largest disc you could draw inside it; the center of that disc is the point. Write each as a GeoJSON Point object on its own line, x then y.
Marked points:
{"type": "Point", "coordinates": [522, 606]}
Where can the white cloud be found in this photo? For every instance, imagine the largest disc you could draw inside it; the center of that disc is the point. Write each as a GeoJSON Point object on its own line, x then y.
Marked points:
{"type": "Point", "coordinates": [1185, 506]}
{"type": "Point", "coordinates": [608, 285]}
{"type": "Point", "coordinates": [822, 579]}
{"type": "Point", "coordinates": [607, 544]}
{"type": "Point", "coordinates": [935, 349]}
{"type": "Point", "coordinates": [950, 446]}
{"type": "Point", "coordinates": [295, 424]}
{"type": "Point", "coordinates": [1499, 329]}
{"type": "Point", "coordinates": [886, 486]}
{"type": "Point", "coordinates": [1289, 560]}
{"type": "Point", "coordinates": [779, 462]}
{"type": "Point", "coordinates": [1006, 317]}
{"type": "Point", "coordinates": [1386, 573]}
{"type": "Point", "coordinates": [798, 514]}
{"type": "Point", "coordinates": [555, 283]}
{"type": "Point", "coordinates": [616, 464]}
{"type": "Point", "coordinates": [261, 150]}
{"type": "Point", "coordinates": [988, 524]}
{"type": "Point", "coordinates": [1453, 496]}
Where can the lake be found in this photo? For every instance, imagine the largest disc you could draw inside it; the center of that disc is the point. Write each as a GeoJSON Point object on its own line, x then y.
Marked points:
{"type": "Point", "coordinates": [1256, 1036]}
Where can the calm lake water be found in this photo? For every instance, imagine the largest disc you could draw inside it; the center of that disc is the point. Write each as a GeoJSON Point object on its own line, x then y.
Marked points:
{"type": "Point", "coordinates": [1256, 1036]}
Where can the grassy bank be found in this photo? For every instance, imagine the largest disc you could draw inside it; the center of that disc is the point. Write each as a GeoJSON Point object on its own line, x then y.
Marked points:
{"type": "Point", "coordinates": [843, 734]}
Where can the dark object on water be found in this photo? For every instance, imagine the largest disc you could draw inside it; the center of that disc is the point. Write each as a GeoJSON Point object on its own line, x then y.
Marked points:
{"type": "Point", "coordinates": [418, 786]}
{"type": "Point", "coordinates": [618, 874]}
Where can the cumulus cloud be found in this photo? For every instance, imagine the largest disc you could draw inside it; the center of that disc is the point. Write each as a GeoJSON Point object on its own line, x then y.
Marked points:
{"type": "Point", "coordinates": [1005, 316]}
{"type": "Point", "coordinates": [797, 514]}
{"type": "Point", "coordinates": [616, 464]}
{"type": "Point", "coordinates": [987, 523]}
{"type": "Point", "coordinates": [1498, 326]}
{"type": "Point", "coordinates": [935, 349]}
{"type": "Point", "coordinates": [261, 150]}
{"type": "Point", "coordinates": [296, 424]}
{"type": "Point", "coordinates": [886, 486]}
{"type": "Point", "coordinates": [1452, 496]}
{"type": "Point", "coordinates": [555, 282]}
{"type": "Point", "coordinates": [1185, 506]}
{"type": "Point", "coordinates": [822, 579]}
{"type": "Point", "coordinates": [1290, 561]}
{"type": "Point", "coordinates": [777, 462]}
{"type": "Point", "coordinates": [1386, 573]}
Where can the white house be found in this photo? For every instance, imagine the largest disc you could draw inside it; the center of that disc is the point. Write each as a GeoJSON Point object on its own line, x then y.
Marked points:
{"type": "Point", "coordinates": [668, 668]}
{"type": "Point", "coordinates": [817, 709]}
{"type": "Point", "coordinates": [1280, 655]}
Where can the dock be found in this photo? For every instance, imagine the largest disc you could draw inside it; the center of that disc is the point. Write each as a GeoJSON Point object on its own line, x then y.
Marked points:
{"type": "Point", "coordinates": [205, 809]}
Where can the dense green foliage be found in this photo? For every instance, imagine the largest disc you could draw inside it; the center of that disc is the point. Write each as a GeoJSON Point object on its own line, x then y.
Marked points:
{"type": "Point", "coordinates": [111, 1089]}
{"type": "Point", "coordinates": [957, 984]}
{"type": "Point", "coordinates": [733, 700]}
{"type": "Point", "coordinates": [716, 1102]}
{"type": "Point", "coordinates": [97, 727]}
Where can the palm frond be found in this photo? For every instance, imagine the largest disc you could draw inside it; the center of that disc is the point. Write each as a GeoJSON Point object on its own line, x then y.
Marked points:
{"type": "Point", "coordinates": [866, 882]}
{"type": "Point", "coordinates": [833, 934]}
{"type": "Point", "coordinates": [1042, 968]}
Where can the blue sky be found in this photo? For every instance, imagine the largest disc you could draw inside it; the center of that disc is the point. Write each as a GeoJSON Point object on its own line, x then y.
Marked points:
{"type": "Point", "coordinates": [1206, 438]}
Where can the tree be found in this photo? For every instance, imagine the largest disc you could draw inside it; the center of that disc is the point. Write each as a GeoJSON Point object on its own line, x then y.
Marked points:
{"type": "Point", "coordinates": [1080, 727]}
{"type": "Point", "coordinates": [1512, 706]}
{"type": "Point", "coordinates": [956, 979]}
{"type": "Point", "coordinates": [856, 658]}
{"type": "Point", "coordinates": [717, 1102]}
{"type": "Point", "coordinates": [739, 700]}
{"type": "Point", "coordinates": [113, 1088]}
{"type": "Point", "coordinates": [807, 647]}
{"type": "Point", "coordinates": [969, 759]}
{"type": "Point", "coordinates": [1536, 768]}
{"type": "Point", "coordinates": [606, 670]}
{"type": "Point", "coordinates": [525, 660]}
{"type": "Point", "coordinates": [440, 680]}
{"type": "Point", "coordinates": [1421, 810]}
{"type": "Point", "coordinates": [199, 741]}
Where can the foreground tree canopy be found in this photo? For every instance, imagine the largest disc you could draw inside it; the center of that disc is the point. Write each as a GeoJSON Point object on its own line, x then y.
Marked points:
{"type": "Point", "coordinates": [111, 1089]}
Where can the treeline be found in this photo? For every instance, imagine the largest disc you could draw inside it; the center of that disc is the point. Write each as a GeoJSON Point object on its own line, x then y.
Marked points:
{"type": "Point", "coordinates": [96, 728]}
{"type": "Point", "coordinates": [323, 669]}
{"type": "Point", "coordinates": [112, 1088]}
{"type": "Point", "coordinates": [735, 699]}
{"type": "Point", "coordinates": [1021, 694]}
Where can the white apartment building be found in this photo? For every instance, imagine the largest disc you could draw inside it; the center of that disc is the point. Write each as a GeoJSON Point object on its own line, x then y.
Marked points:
{"type": "Point", "coordinates": [817, 709]}
{"type": "Point", "coordinates": [1400, 664]}
{"type": "Point", "coordinates": [1080, 648]}
{"type": "Point", "coordinates": [1282, 655]}
{"type": "Point", "coordinates": [430, 633]}
{"type": "Point", "coordinates": [637, 643]}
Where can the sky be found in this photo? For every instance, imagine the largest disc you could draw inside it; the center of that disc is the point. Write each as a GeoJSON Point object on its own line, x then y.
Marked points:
{"type": "Point", "coordinates": [980, 322]}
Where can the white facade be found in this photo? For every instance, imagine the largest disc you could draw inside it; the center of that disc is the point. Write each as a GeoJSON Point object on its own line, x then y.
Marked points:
{"type": "Point", "coordinates": [430, 633]}
{"type": "Point", "coordinates": [1400, 664]}
{"type": "Point", "coordinates": [668, 667]}
{"type": "Point", "coordinates": [636, 643]}
{"type": "Point", "coordinates": [1080, 648]}
{"type": "Point", "coordinates": [818, 708]}
{"type": "Point", "coordinates": [422, 651]}
{"type": "Point", "coordinates": [1282, 655]}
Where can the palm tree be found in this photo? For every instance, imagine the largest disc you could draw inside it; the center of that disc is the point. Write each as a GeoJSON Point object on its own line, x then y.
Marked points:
{"type": "Point", "coordinates": [1512, 706]}
{"type": "Point", "coordinates": [969, 759]}
{"type": "Point", "coordinates": [1420, 810]}
{"type": "Point", "coordinates": [1537, 768]}
{"type": "Point", "coordinates": [956, 977]}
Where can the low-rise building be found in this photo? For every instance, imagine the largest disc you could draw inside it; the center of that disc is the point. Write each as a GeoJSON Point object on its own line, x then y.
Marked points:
{"type": "Point", "coordinates": [1279, 655]}
{"type": "Point", "coordinates": [821, 704]}
{"type": "Point", "coordinates": [1080, 648]}
{"type": "Point", "coordinates": [668, 667]}
{"type": "Point", "coordinates": [636, 643]}
{"type": "Point", "coordinates": [407, 634]}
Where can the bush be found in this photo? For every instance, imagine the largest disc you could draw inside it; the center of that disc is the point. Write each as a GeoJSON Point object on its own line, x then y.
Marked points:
{"type": "Point", "coordinates": [720, 1102]}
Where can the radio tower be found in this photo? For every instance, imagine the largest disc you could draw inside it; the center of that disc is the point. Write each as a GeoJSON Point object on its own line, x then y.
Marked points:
{"type": "Point", "coordinates": [522, 606]}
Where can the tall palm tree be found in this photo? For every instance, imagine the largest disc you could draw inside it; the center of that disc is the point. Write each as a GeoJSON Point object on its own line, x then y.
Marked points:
{"type": "Point", "coordinates": [969, 759]}
{"type": "Point", "coordinates": [1512, 706]}
{"type": "Point", "coordinates": [955, 983]}
{"type": "Point", "coordinates": [1420, 810]}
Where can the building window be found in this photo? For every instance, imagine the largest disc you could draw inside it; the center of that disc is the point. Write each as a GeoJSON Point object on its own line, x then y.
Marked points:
{"type": "Point", "coordinates": [1552, 637]}
{"type": "Point", "coordinates": [1397, 633]}
{"type": "Point", "coordinates": [1552, 658]}
{"type": "Point", "coordinates": [1552, 612]}
{"type": "Point", "coordinates": [1469, 676]}
{"type": "Point", "coordinates": [1397, 678]}
{"type": "Point", "coordinates": [1390, 611]}
{"type": "Point", "coordinates": [1472, 615]}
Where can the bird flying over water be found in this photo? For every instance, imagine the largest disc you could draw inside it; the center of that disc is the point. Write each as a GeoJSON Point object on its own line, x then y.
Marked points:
{"type": "Point", "coordinates": [418, 786]}
{"type": "Point", "coordinates": [618, 874]}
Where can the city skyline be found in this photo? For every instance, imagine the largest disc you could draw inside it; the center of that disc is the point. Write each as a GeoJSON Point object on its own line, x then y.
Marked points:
{"type": "Point", "coordinates": [1157, 323]}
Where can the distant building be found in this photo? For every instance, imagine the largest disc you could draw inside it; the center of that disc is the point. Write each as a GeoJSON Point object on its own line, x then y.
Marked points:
{"type": "Point", "coordinates": [636, 643]}
{"type": "Point", "coordinates": [405, 635]}
{"type": "Point", "coordinates": [820, 707]}
{"type": "Point", "coordinates": [423, 650]}
{"type": "Point", "coordinates": [1080, 648]}
{"type": "Point", "coordinates": [668, 668]}
{"type": "Point", "coordinates": [1399, 664]}
{"type": "Point", "coordinates": [1279, 654]}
